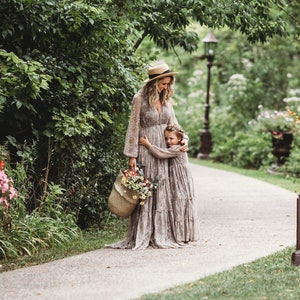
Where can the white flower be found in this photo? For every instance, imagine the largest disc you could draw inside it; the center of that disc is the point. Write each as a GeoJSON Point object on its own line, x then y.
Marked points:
{"type": "Point", "coordinates": [291, 99]}
{"type": "Point", "coordinates": [295, 92]}
{"type": "Point", "coordinates": [247, 63]}
{"type": "Point", "coordinates": [237, 82]}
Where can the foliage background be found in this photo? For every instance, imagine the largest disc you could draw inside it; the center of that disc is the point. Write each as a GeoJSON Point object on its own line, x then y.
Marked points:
{"type": "Point", "coordinates": [69, 70]}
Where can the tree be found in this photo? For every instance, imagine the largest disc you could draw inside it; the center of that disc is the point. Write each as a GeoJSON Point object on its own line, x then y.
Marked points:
{"type": "Point", "coordinates": [69, 70]}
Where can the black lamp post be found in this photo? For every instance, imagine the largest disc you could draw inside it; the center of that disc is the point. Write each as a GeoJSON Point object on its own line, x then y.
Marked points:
{"type": "Point", "coordinates": [296, 254]}
{"type": "Point", "coordinates": [210, 45]}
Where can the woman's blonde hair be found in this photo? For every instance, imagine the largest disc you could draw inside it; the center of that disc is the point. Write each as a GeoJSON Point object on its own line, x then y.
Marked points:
{"type": "Point", "coordinates": [150, 90]}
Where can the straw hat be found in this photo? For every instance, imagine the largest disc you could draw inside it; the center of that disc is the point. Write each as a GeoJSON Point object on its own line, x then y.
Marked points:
{"type": "Point", "coordinates": [158, 71]}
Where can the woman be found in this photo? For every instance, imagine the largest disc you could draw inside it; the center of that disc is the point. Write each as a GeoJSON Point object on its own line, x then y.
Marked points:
{"type": "Point", "coordinates": [151, 224]}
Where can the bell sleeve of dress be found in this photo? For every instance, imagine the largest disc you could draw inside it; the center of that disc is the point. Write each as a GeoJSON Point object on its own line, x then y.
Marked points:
{"type": "Point", "coordinates": [131, 148]}
{"type": "Point", "coordinates": [163, 153]}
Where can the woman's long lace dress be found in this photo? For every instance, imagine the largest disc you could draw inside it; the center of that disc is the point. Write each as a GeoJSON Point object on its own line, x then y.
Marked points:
{"type": "Point", "coordinates": [151, 224]}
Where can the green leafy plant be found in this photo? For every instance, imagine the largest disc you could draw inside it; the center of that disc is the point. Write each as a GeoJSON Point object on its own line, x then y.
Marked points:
{"type": "Point", "coordinates": [64, 77]}
{"type": "Point", "coordinates": [292, 165]}
{"type": "Point", "coordinates": [24, 232]}
{"type": "Point", "coordinates": [277, 122]}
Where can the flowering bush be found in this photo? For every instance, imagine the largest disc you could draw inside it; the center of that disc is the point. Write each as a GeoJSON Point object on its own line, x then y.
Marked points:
{"type": "Point", "coordinates": [7, 190]}
{"type": "Point", "coordinates": [237, 83]}
{"type": "Point", "coordinates": [136, 181]}
{"type": "Point", "coordinates": [277, 122]}
{"type": "Point", "coordinates": [293, 102]}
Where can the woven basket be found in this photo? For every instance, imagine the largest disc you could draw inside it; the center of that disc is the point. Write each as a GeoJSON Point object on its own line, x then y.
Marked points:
{"type": "Point", "coordinates": [122, 201]}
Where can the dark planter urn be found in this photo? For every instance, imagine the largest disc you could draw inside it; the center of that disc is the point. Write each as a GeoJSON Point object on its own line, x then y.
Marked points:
{"type": "Point", "coordinates": [281, 146]}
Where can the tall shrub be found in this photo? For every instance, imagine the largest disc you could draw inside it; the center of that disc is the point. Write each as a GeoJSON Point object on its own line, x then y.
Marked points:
{"type": "Point", "coordinates": [69, 71]}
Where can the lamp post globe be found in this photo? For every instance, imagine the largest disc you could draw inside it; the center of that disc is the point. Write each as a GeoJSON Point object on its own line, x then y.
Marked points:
{"type": "Point", "coordinates": [210, 44]}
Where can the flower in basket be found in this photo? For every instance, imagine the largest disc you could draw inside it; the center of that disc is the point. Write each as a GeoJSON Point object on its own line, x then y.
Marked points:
{"type": "Point", "coordinates": [7, 190]}
{"type": "Point", "coordinates": [136, 181]}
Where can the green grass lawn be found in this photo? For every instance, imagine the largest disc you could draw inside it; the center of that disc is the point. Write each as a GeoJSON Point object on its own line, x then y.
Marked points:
{"type": "Point", "coordinates": [267, 278]}
{"type": "Point", "coordinates": [271, 277]}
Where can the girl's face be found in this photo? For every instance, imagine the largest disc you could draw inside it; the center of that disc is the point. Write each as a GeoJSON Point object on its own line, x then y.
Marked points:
{"type": "Point", "coordinates": [163, 84]}
{"type": "Point", "coordinates": [171, 138]}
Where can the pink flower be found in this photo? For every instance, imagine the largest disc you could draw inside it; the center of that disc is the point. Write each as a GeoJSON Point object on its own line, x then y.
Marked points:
{"type": "Point", "coordinates": [7, 190]}
{"type": "Point", "coordinates": [4, 202]}
{"type": "Point", "coordinates": [13, 193]}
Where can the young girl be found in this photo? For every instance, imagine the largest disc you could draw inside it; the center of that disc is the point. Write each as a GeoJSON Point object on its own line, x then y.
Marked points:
{"type": "Point", "coordinates": [181, 183]}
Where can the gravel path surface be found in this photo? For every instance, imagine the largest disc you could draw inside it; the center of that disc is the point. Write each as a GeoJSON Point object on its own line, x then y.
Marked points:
{"type": "Point", "coordinates": [242, 219]}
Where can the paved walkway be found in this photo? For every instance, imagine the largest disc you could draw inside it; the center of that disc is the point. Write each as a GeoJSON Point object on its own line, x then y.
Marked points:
{"type": "Point", "coordinates": [242, 219]}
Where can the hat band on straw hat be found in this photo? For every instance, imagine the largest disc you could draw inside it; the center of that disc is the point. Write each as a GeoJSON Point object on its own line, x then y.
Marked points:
{"type": "Point", "coordinates": [159, 71]}
{"type": "Point", "coordinates": [155, 75]}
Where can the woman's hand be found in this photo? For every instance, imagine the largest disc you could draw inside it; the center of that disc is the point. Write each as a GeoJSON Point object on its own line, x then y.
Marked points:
{"type": "Point", "coordinates": [185, 145]}
{"type": "Point", "coordinates": [132, 163]}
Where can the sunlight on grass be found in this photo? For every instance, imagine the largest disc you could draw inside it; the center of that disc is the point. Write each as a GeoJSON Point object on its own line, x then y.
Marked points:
{"type": "Point", "coordinates": [271, 277]}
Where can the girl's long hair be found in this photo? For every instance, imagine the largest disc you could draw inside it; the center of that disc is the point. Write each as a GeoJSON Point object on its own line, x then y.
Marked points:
{"type": "Point", "coordinates": [176, 129]}
{"type": "Point", "coordinates": [150, 91]}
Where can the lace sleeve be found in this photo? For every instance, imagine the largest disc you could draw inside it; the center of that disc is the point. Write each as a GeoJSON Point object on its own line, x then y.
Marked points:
{"type": "Point", "coordinates": [163, 153]}
{"type": "Point", "coordinates": [132, 134]}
